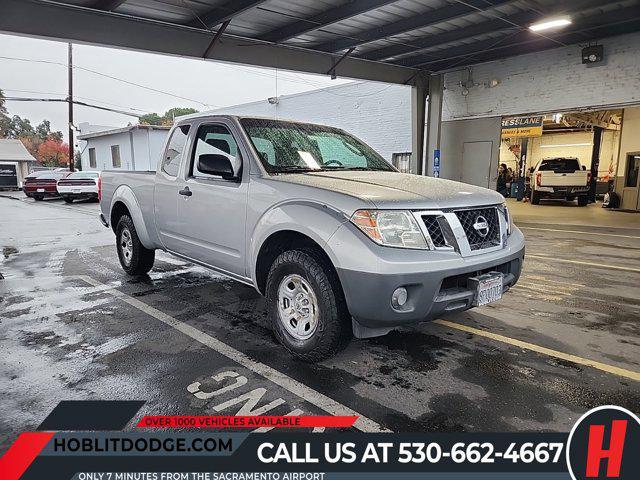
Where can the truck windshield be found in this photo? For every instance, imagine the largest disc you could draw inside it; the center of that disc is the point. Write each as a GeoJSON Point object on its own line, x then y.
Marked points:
{"type": "Point", "coordinates": [288, 147]}
{"type": "Point", "coordinates": [560, 165]}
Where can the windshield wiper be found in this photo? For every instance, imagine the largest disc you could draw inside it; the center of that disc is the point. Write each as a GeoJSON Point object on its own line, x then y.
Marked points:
{"type": "Point", "coordinates": [294, 169]}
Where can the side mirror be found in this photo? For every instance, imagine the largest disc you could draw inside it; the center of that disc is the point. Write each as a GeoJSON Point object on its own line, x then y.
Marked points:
{"type": "Point", "coordinates": [216, 164]}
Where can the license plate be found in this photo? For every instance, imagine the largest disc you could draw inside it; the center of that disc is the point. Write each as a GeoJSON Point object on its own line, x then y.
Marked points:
{"type": "Point", "coordinates": [40, 190]}
{"type": "Point", "coordinates": [488, 288]}
{"type": "Point", "coordinates": [77, 190]}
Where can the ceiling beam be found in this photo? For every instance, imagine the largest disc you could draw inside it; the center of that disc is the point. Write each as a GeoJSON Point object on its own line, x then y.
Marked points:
{"type": "Point", "coordinates": [224, 12]}
{"type": "Point", "coordinates": [64, 22]}
{"type": "Point", "coordinates": [490, 26]}
{"type": "Point", "coordinates": [107, 5]}
{"type": "Point", "coordinates": [426, 19]}
{"type": "Point", "coordinates": [618, 22]}
{"type": "Point", "coordinates": [322, 19]}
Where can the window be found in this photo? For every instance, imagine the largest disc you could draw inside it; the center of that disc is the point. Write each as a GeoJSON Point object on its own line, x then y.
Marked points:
{"type": "Point", "coordinates": [92, 158]}
{"type": "Point", "coordinates": [214, 139]}
{"type": "Point", "coordinates": [560, 165]}
{"type": "Point", "coordinates": [295, 147]}
{"type": "Point", "coordinates": [115, 156]}
{"type": "Point", "coordinates": [402, 161]}
{"type": "Point", "coordinates": [173, 155]}
{"type": "Point", "coordinates": [633, 169]}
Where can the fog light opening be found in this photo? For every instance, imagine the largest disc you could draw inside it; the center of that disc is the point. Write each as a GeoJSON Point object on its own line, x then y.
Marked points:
{"type": "Point", "coordinates": [399, 297]}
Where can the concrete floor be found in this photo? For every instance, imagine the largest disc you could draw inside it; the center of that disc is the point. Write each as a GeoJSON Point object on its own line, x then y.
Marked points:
{"type": "Point", "coordinates": [73, 326]}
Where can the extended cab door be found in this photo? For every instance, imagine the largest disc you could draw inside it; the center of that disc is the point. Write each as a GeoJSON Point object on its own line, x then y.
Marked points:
{"type": "Point", "coordinates": [167, 186]}
{"type": "Point", "coordinates": [212, 214]}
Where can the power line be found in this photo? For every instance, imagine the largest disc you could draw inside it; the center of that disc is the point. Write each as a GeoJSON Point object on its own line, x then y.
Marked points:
{"type": "Point", "coordinates": [112, 77]}
{"type": "Point", "coordinates": [75, 102]}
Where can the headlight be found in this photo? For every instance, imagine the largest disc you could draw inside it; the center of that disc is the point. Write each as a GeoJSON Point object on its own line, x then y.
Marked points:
{"type": "Point", "coordinates": [392, 228]}
{"type": "Point", "coordinates": [508, 219]}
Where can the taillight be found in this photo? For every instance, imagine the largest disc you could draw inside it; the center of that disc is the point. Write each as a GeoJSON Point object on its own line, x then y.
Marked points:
{"type": "Point", "coordinates": [99, 189]}
{"type": "Point", "coordinates": [538, 179]}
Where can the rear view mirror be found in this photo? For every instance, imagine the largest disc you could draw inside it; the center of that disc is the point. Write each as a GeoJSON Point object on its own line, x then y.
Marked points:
{"type": "Point", "coordinates": [216, 164]}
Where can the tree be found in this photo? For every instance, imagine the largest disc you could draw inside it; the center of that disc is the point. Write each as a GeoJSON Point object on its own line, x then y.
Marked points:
{"type": "Point", "coordinates": [53, 154]}
{"type": "Point", "coordinates": [168, 117]}
{"type": "Point", "coordinates": [5, 121]}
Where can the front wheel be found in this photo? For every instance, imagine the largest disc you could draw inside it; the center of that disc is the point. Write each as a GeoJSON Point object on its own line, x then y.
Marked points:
{"type": "Point", "coordinates": [306, 306]}
{"type": "Point", "coordinates": [134, 257]}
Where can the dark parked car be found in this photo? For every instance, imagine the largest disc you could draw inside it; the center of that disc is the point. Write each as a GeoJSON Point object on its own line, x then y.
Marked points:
{"type": "Point", "coordinates": [43, 185]}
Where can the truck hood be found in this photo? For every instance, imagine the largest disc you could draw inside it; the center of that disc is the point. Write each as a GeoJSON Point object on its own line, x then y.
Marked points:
{"type": "Point", "coordinates": [397, 190]}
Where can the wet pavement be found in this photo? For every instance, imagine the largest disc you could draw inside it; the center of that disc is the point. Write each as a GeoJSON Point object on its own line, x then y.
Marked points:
{"type": "Point", "coordinates": [74, 326]}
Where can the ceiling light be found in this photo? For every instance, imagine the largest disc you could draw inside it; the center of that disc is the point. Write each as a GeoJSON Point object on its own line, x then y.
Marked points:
{"type": "Point", "coordinates": [548, 24]}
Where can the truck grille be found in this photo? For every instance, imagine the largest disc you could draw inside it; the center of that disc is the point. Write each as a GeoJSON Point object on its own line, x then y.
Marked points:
{"type": "Point", "coordinates": [480, 238]}
{"type": "Point", "coordinates": [432, 224]}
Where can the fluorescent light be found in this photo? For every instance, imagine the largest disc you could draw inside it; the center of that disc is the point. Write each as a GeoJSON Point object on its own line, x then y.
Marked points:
{"type": "Point", "coordinates": [568, 145]}
{"type": "Point", "coordinates": [547, 24]}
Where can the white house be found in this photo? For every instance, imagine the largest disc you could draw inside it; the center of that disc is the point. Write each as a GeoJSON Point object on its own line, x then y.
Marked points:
{"type": "Point", "coordinates": [136, 147]}
{"type": "Point", "coordinates": [15, 163]}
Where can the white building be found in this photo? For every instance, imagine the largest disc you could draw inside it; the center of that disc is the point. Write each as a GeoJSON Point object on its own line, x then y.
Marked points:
{"type": "Point", "coordinates": [136, 147]}
{"type": "Point", "coordinates": [379, 114]}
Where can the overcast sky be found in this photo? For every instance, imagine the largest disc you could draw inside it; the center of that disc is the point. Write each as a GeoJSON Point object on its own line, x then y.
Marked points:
{"type": "Point", "coordinates": [204, 85]}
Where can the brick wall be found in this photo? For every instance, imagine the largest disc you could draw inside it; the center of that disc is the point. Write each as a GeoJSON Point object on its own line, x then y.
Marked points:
{"type": "Point", "coordinates": [377, 113]}
{"type": "Point", "coordinates": [548, 81]}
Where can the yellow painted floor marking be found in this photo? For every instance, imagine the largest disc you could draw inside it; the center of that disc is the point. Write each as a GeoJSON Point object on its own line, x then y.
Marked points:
{"type": "Point", "coordinates": [543, 350]}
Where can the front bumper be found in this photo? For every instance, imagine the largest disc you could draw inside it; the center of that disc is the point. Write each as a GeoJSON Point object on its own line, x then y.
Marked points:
{"type": "Point", "coordinates": [434, 287]}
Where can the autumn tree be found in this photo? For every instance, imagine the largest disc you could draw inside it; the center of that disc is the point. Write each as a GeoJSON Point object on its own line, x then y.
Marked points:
{"type": "Point", "coordinates": [53, 154]}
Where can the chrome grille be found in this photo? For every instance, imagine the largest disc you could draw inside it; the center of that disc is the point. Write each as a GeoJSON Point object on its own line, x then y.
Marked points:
{"type": "Point", "coordinates": [432, 224]}
{"type": "Point", "coordinates": [477, 237]}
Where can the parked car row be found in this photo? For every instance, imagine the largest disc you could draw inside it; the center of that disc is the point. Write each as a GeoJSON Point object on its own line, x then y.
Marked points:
{"type": "Point", "coordinates": [68, 185]}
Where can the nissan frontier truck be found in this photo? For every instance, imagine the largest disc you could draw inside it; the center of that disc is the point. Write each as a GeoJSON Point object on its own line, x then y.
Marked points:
{"type": "Point", "coordinates": [339, 242]}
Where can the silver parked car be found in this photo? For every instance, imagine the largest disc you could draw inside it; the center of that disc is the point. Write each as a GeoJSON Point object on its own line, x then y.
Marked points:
{"type": "Point", "coordinates": [338, 241]}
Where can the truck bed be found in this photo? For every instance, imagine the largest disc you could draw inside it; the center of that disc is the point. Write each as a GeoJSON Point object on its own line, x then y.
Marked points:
{"type": "Point", "coordinates": [555, 179]}
{"type": "Point", "coordinates": [141, 183]}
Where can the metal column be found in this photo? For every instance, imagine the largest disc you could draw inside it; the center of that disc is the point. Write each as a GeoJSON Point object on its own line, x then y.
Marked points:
{"type": "Point", "coordinates": [434, 122]}
{"type": "Point", "coordinates": [419, 92]}
{"type": "Point", "coordinates": [595, 162]}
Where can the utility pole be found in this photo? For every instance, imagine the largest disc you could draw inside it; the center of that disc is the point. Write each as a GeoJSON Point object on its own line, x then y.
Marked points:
{"type": "Point", "coordinates": [70, 100]}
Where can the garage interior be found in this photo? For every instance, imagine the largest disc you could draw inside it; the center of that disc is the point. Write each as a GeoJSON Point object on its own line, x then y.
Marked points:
{"type": "Point", "coordinates": [565, 339]}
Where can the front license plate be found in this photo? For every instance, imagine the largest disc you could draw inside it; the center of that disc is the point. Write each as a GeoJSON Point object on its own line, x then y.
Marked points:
{"type": "Point", "coordinates": [40, 190]}
{"type": "Point", "coordinates": [488, 288]}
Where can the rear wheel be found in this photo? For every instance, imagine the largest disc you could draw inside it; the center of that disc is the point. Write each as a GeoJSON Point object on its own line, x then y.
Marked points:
{"type": "Point", "coordinates": [583, 201]}
{"type": "Point", "coordinates": [535, 197]}
{"type": "Point", "coordinates": [306, 306]}
{"type": "Point", "coordinates": [68, 199]}
{"type": "Point", "coordinates": [134, 257]}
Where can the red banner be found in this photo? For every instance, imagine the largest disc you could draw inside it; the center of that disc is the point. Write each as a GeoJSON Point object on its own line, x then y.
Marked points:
{"type": "Point", "coordinates": [230, 421]}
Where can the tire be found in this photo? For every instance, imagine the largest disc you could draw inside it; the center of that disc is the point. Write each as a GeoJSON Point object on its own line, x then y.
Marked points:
{"type": "Point", "coordinates": [38, 198]}
{"type": "Point", "coordinates": [571, 198]}
{"type": "Point", "coordinates": [535, 197]}
{"type": "Point", "coordinates": [135, 259]}
{"type": "Point", "coordinates": [68, 199]}
{"type": "Point", "coordinates": [332, 330]}
{"type": "Point", "coordinates": [583, 201]}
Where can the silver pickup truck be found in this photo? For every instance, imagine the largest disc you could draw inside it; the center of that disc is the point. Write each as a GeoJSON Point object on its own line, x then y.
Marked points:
{"type": "Point", "coordinates": [339, 242]}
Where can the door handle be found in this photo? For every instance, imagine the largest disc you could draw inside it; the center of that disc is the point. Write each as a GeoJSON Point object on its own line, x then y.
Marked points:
{"type": "Point", "coordinates": [186, 192]}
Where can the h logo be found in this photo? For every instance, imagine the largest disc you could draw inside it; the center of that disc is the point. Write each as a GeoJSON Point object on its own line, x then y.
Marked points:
{"type": "Point", "coordinates": [596, 451]}
{"type": "Point", "coordinates": [603, 445]}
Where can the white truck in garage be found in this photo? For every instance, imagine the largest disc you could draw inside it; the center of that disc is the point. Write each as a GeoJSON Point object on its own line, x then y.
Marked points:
{"type": "Point", "coordinates": [560, 178]}
{"type": "Point", "coordinates": [338, 240]}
